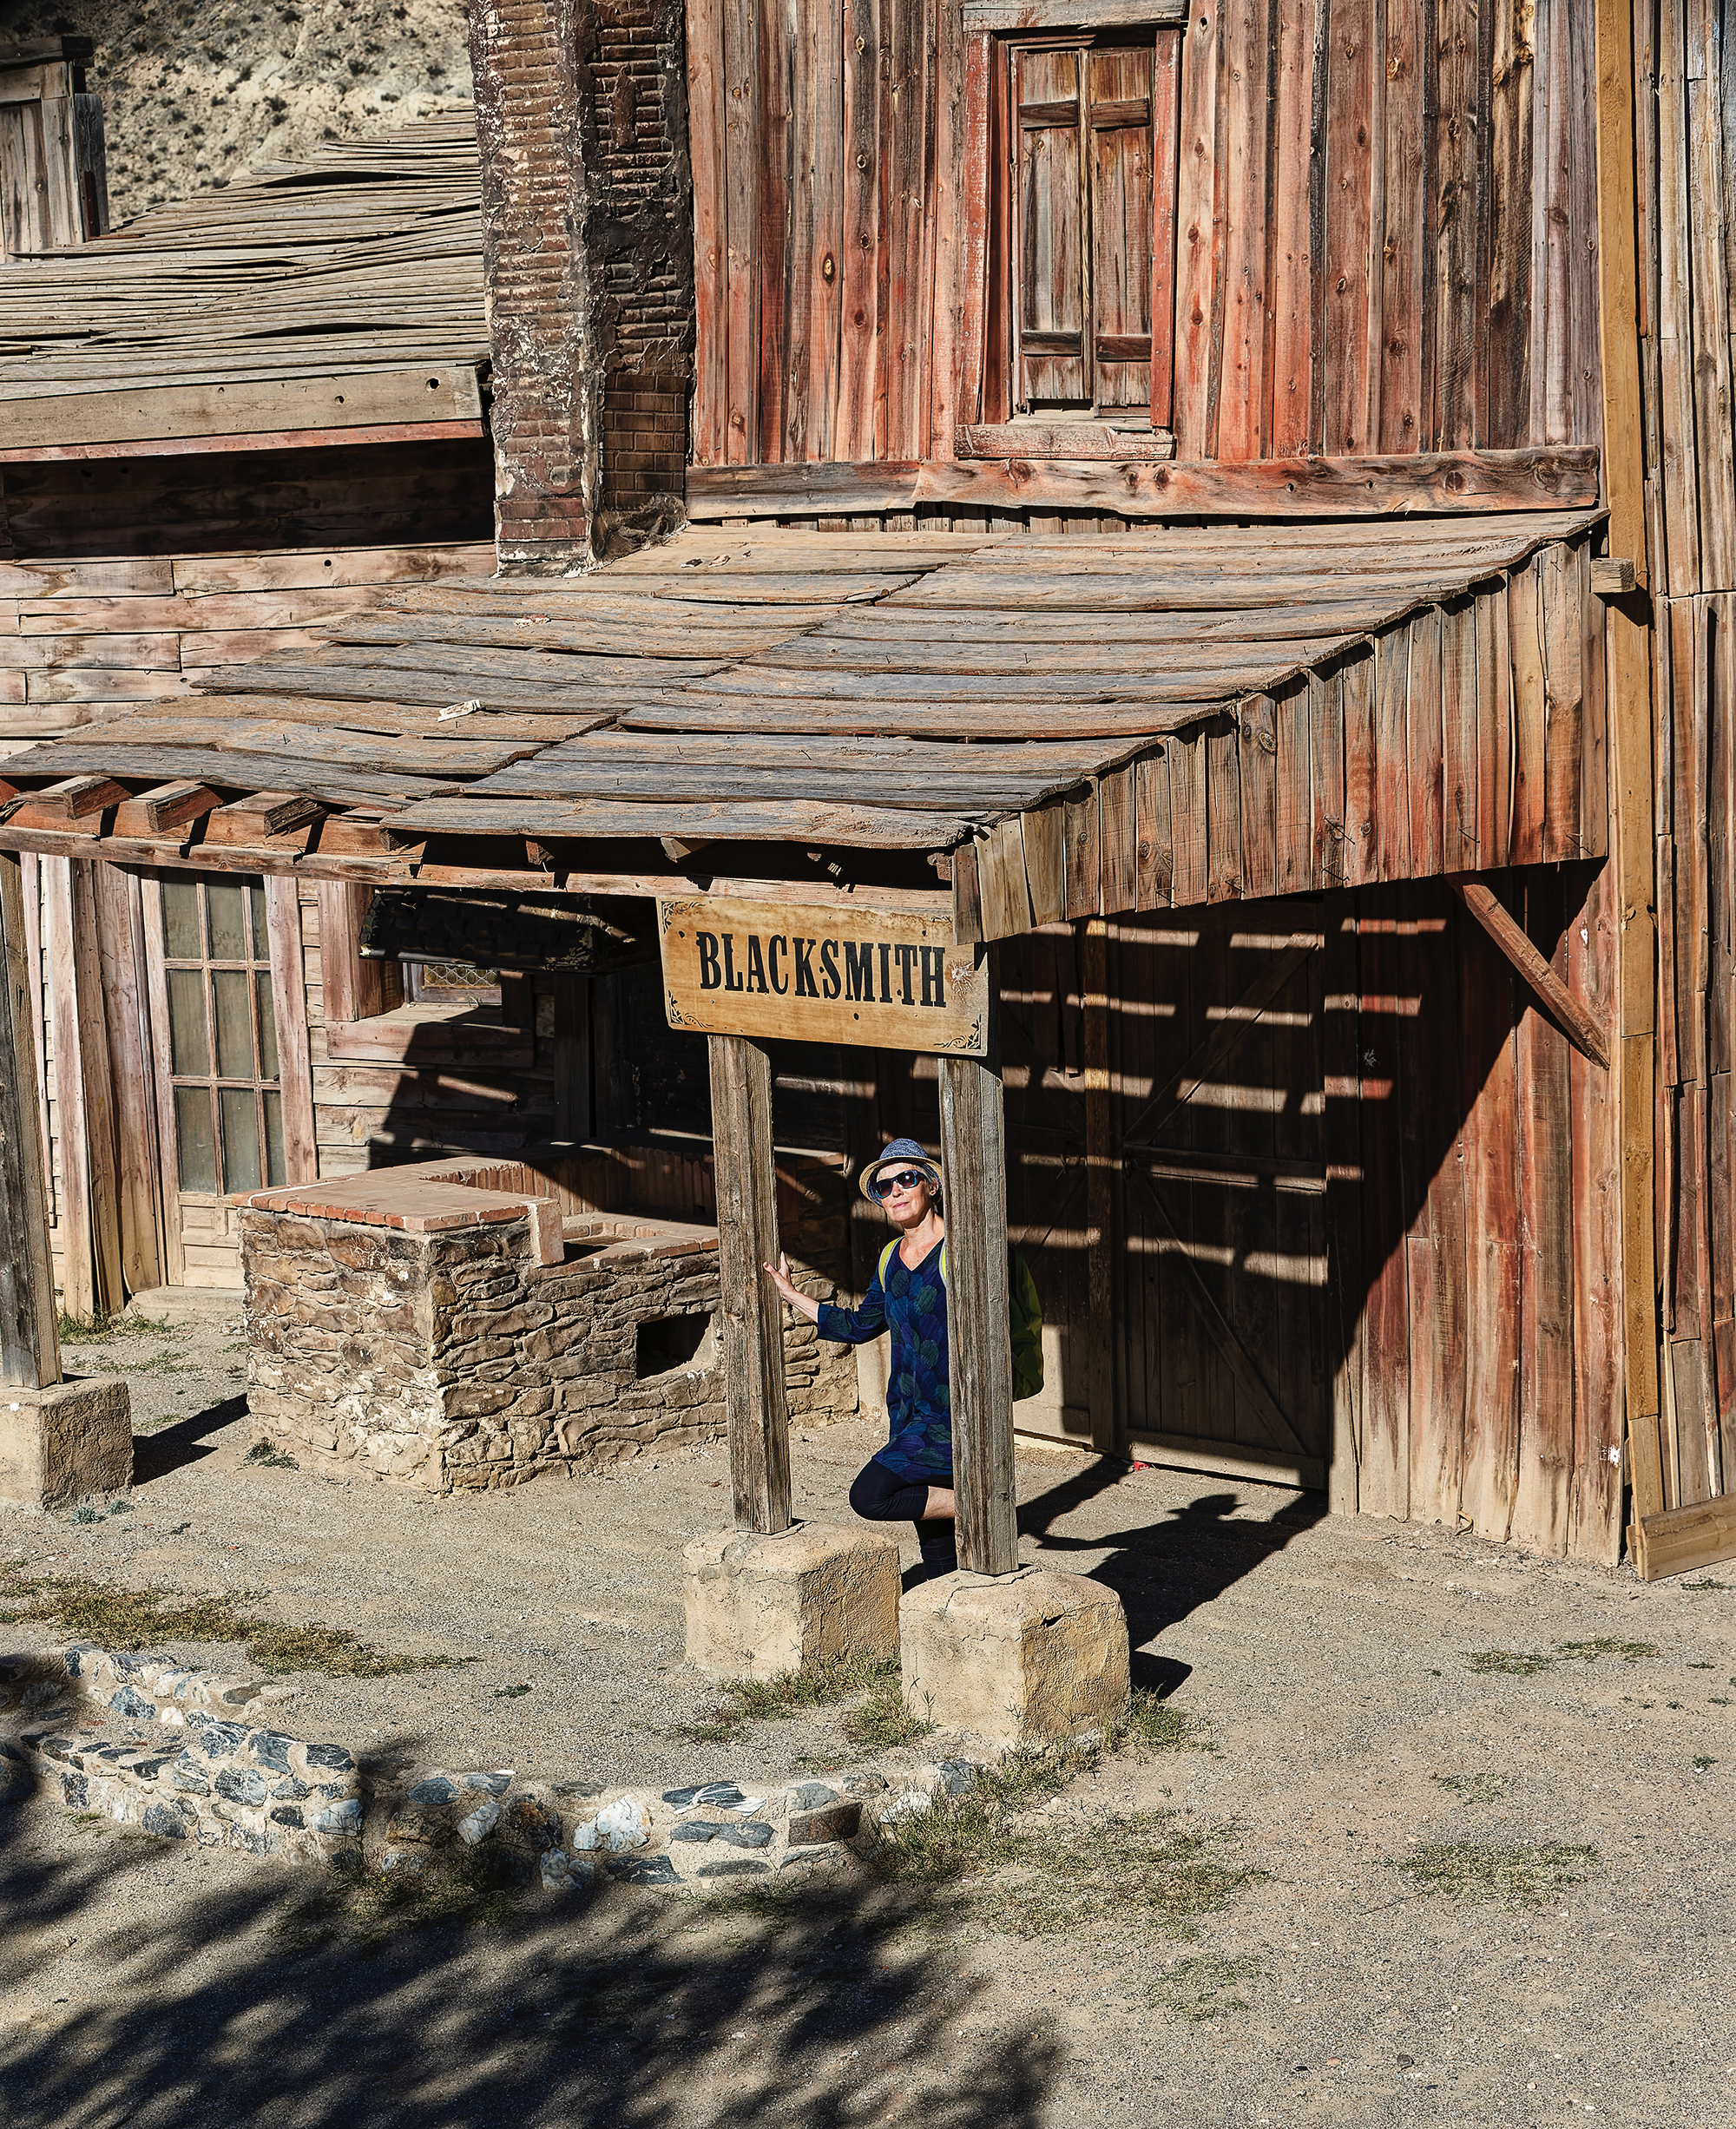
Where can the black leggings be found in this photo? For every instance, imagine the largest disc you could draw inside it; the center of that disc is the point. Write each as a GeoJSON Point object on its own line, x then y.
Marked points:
{"type": "Point", "coordinates": [881, 1496]}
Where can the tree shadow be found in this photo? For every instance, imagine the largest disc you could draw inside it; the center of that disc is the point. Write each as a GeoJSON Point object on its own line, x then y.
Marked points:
{"type": "Point", "coordinates": [188, 1441]}
{"type": "Point", "coordinates": [1167, 1568]}
{"type": "Point", "coordinates": [618, 2009]}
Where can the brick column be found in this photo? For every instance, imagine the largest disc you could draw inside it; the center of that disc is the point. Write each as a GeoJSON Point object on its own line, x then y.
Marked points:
{"type": "Point", "coordinates": [534, 130]}
{"type": "Point", "coordinates": [587, 242]}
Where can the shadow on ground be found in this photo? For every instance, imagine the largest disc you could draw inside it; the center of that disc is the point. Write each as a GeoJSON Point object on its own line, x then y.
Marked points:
{"type": "Point", "coordinates": [188, 1441]}
{"type": "Point", "coordinates": [1167, 1568]}
{"type": "Point", "coordinates": [620, 2009]}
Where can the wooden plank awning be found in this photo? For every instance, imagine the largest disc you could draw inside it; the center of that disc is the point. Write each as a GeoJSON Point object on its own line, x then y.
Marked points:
{"type": "Point", "coordinates": [337, 299]}
{"type": "Point", "coordinates": [1060, 726]}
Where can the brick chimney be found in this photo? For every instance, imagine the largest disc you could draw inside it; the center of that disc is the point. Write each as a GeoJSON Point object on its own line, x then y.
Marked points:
{"type": "Point", "coordinates": [587, 247]}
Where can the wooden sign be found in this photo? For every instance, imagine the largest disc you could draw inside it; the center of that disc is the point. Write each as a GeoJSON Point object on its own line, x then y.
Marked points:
{"type": "Point", "coordinates": [838, 975]}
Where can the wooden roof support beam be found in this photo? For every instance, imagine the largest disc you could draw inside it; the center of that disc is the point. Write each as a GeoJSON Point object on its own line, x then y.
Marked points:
{"type": "Point", "coordinates": [752, 1313]}
{"type": "Point", "coordinates": [1568, 1015]}
{"type": "Point", "coordinates": [29, 1346]}
{"type": "Point", "coordinates": [973, 1153]}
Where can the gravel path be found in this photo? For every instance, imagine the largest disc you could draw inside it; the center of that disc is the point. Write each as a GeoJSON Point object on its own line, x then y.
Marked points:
{"type": "Point", "coordinates": [1324, 1661]}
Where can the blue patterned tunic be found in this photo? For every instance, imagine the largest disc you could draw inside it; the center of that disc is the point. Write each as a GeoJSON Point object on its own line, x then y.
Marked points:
{"type": "Point", "coordinates": [918, 1398]}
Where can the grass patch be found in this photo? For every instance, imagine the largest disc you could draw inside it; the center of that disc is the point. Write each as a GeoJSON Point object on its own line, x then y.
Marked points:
{"type": "Point", "coordinates": [1526, 1662]}
{"type": "Point", "coordinates": [1150, 1727]}
{"type": "Point", "coordinates": [1204, 1988]}
{"type": "Point", "coordinates": [1706, 1584]}
{"type": "Point", "coordinates": [474, 1891]}
{"type": "Point", "coordinates": [101, 1328]}
{"type": "Point", "coordinates": [1588, 1651]}
{"type": "Point", "coordinates": [1701, 1763]}
{"type": "Point", "coordinates": [881, 1720]}
{"type": "Point", "coordinates": [1143, 1871]}
{"type": "Point", "coordinates": [1474, 1788]}
{"type": "Point", "coordinates": [134, 1619]}
{"type": "Point", "coordinates": [1517, 1876]}
{"type": "Point", "coordinates": [268, 1453]}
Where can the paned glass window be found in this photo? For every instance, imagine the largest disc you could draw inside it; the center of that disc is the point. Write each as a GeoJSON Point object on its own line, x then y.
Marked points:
{"type": "Point", "coordinates": [223, 1034]}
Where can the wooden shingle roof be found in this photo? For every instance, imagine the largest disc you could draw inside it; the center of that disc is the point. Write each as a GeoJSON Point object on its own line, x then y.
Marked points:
{"type": "Point", "coordinates": [246, 310]}
{"type": "Point", "coordinates": [927, 692]}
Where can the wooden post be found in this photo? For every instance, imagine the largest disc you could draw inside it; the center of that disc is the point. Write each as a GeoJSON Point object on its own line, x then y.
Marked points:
{"type": "Point", "coordinates": [973, 1153]}
{"type": "Point", "coordinates": [752, 1314]}
{"type": "Point", "coordinates": [1628, 639]}
{"type": "Point", "coordinates": [30, 1347]}
{"type": "Point", "coordinates": [91, 1280]}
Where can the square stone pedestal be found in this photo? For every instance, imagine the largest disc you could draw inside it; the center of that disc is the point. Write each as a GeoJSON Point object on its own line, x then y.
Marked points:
{"type": "Point", "coordinates": [64, 1444]}
{"type": "Point", "coordinates": [1018, 1659]}
{"type": "Point", "coordinates": [759, 1607]}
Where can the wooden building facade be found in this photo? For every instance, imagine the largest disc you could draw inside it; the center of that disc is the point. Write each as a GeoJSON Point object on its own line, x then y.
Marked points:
{"type": "Point", "coordinates": [1226, 507]}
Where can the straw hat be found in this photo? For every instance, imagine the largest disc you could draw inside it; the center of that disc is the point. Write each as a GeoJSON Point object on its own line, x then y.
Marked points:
{"type": "Point", "coordinates": [900, 1153]}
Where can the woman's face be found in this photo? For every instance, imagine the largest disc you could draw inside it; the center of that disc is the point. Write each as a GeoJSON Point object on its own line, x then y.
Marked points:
{"type": "Point", "coordinates": [908, 1206]}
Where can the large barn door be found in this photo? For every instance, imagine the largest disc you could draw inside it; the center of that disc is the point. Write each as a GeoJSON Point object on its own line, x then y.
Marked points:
{"type": "Point", "coordinates": [1221, 1264]}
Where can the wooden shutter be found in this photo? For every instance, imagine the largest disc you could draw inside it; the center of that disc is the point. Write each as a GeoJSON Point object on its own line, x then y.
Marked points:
{"type": "Point", "coordinates": [1051, 292]}
{"type": "Point", "coordinates": [1119, 81]}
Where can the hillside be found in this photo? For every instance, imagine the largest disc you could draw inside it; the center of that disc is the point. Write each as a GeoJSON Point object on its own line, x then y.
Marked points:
{"type": "Point", "coordinates": [193, 94]}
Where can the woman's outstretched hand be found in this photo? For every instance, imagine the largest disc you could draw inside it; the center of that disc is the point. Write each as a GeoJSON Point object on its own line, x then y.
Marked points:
{"type": "Point", "coordinates": [785, 1285]}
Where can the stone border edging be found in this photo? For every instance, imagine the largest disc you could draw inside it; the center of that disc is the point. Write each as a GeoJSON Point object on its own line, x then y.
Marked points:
{"type": "Point", "coordinates": [222, 1778]}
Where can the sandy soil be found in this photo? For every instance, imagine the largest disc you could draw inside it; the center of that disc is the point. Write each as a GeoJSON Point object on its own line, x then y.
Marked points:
{"type": "Point", "coordinates": [192, 96]}
{"type": "Point", "coordinates": [1341, 1726]}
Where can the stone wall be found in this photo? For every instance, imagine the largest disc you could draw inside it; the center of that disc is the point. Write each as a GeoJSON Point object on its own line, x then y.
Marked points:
{"type": "Point", "coordinates": [453, 1359]}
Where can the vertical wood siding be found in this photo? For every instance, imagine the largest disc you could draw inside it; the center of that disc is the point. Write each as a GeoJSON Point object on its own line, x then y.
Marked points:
{"type": "Point", "coordinates": [1384, 228]}
{"type": "Point", "coordinates": [1685, 73]}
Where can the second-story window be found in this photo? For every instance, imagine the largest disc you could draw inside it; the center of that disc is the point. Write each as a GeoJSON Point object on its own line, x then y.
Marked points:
{"type": "Point", "coordinates": [1080, 134]}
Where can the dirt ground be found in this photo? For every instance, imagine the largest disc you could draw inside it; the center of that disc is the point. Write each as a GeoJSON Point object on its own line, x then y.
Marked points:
{"type": "Point", "coordinates": [1381, 1713]}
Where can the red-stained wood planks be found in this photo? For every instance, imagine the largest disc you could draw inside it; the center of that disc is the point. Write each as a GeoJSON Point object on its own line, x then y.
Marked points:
{"type": "Point", "coordinates": [1243, 190]}
{"type": "Point", "coordinates": [1198, 234]}
{"type": "Point", "coordinates": [861, 433]}
{"type": "Point", "coordinates": [1488, 1060]}
{"type": "Point", "coordinates": [706, 107]}
{"type": "Point", "coordinates": [1401, 422]}
{"type": "Point", "coordinates": [1456, 230]}
{"type": "Point", "coordinates": [1594, 1126]}
{"type": "Point", "coordinates": [1542, 1493]}
{"type": "Point", "coordinates": [1361, 859]}
{"type": "Point", "coordinates": [1300, 28]}
{"type": "Point", "coordinates": [1349, 177]}
{"type": "Point", "coordinates": [1506, 389]}
{"type": "Point", "coordinates": [1430, 1118]}
{"type": "Point", "coordinates": [1166, 117]}
{"type": "Point", "coordinates": [1384, 999]}
{"type": "Point", "coordinates": [739, 309]}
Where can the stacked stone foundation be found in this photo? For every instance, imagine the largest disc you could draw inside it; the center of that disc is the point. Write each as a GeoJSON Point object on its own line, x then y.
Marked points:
{"type": "Point", "coordinates": [454, 1359]}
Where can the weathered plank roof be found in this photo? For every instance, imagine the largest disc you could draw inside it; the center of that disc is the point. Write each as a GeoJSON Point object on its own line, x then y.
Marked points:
{"type": "Point", "coordinates": [364, 260]}
{"type": "Point", "coordinates": [914, 693]}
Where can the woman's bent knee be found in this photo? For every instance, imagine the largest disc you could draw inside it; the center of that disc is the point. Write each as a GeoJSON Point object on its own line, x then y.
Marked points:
{"type": "Point", "coordinates": [881, 1496]}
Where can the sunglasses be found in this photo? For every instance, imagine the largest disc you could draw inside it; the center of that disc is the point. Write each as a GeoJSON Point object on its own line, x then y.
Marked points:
{"type": "Point", "coordinates": [906, 1179]}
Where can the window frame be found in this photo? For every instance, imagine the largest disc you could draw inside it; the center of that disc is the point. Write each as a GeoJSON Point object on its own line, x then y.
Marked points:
{"type": "Point", "coordinates": [994, 132]}
{"type": "Point", "coordinates": [289, 1011]}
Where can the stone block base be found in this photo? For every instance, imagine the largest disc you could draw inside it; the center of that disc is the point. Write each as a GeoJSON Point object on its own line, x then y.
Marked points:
{"type": "Point", "coordinates": [69, 1442]}
{"type": "Point", "coordinates": [759, 1606]}
{"type": "Point", "coordinates": [1018, 1659]}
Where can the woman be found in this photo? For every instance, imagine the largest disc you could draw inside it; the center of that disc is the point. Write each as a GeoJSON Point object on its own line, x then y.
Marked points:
{"type": "Point", "coordinates": [911, 1477]}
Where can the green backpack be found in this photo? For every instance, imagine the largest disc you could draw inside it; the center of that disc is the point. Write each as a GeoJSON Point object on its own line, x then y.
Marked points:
{"type": "Point", "coordinates": [1025, 1310]}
